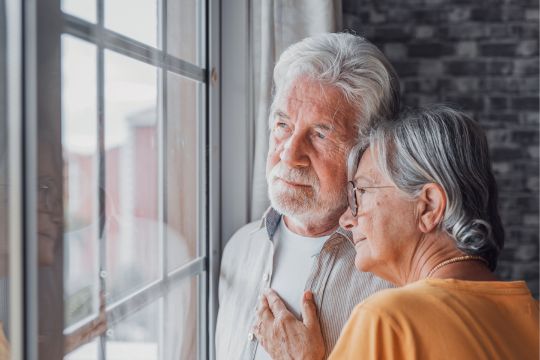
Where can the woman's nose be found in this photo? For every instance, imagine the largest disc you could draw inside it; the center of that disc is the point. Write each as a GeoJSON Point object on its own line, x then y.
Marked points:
{"type": "Point", "coordinates": [346, 220]}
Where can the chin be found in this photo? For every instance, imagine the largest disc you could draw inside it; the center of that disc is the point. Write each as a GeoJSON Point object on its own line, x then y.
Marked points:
{"type": "Point", "coordinates": [291, 203]}
{"type": "Point", "coordinates": [362, 263]}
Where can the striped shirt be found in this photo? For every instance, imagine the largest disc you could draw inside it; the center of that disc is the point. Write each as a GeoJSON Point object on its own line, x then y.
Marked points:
{"type": "Point", "coordinates": [246, 272]}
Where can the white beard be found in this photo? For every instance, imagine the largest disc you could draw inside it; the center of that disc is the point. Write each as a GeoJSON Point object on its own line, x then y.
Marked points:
{"type": "Point", "coordinates": [306, 204]}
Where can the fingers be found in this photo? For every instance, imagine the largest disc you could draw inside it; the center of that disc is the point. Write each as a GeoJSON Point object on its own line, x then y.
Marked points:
{"type": "Point", "coordinates": [309, 311]}
{"type": "Point", "coordinates": [264, 320]}
{"type": "Point", "coordinates": [264, 312]}
{"type": "Point", "coordinates": [275, 303]}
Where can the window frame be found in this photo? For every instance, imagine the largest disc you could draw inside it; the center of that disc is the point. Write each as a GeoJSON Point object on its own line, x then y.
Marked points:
{"type": "Point", "coordinates": [32, 19]}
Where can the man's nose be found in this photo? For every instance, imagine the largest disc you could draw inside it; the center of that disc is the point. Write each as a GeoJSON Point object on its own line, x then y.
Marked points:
{"type": "Point", "coordinates": [347, 221]}
{"type": "Point", "coordinates": [293, 153]}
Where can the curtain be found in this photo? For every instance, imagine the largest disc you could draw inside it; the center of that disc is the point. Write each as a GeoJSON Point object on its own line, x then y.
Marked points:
{"type": "Point", "coordinates": [276, 24]}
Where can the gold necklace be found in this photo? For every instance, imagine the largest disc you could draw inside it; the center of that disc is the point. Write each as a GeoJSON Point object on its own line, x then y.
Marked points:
{"type": "Point", "coordinates": [455, 260]}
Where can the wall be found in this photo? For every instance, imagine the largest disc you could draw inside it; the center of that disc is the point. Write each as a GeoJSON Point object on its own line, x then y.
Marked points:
{"type": "Point", "coordinates": [483, 56]}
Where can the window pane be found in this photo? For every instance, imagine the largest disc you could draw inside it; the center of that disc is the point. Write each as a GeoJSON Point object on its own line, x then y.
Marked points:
{"type": "Point", "coordinates": [181, 320]}
{"type": "Point", "coordinates": [85, 9]}
{"type": "Point", "coordinates": [131, 175]}
{"type": "Point", "coordinates": [88, 351]}
{"type": "Point", "coordinates": [185, 34]}
{"type": "Point", "coordinates": [80, 153]}
{"type": "Point", "coordinates": [137, 337]}
{"type": "Point", "coordinates": [137, 19]}
{"type": "Point", "coordinates": [182, 180]}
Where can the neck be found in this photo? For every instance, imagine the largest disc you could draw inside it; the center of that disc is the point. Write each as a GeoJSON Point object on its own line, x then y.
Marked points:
{"type": "Point", "coordinates": [432, 250]}
{"type": "Point", "coordinates": [311, 228]}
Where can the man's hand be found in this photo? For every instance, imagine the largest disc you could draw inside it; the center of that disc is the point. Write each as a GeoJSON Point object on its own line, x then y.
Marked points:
{"type": "Point", "coordinates": [282, 335]}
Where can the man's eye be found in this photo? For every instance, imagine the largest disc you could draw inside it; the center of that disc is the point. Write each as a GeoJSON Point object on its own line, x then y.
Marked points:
{"type": "Point", "coordinates": [321, 135]}
{"type": "Point", "coordinates": [281, 125]}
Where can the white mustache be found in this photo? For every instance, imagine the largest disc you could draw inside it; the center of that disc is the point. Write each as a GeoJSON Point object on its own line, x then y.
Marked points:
{"type": "Point", "coordinates": [297, 176]}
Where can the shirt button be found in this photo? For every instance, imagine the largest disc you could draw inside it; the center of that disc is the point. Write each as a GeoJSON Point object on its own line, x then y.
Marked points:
{"type": "Point", "coordinates": [251, 336]}
{"type": "Point", "coordinates": [266, 277]}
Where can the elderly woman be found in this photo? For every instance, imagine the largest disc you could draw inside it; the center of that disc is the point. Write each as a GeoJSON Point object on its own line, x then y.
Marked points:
{"type": "Point", "coordinates": [423, 215]}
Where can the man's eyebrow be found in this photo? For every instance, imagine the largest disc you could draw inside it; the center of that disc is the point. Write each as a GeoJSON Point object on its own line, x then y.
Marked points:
{"type": "Point", "coordinates": [324, 127]}
{"type": "Point", "coordinates": [281, 114]}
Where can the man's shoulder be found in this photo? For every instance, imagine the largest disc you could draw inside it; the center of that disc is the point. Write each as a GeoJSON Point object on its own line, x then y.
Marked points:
{"type": "Point", "coordinates": [241, 242]}
{"type": "Point", "coordinates": [245, 233]}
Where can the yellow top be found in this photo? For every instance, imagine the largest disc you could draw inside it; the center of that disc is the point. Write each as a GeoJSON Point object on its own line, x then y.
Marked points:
{"type": "Point", "coordinates": [444, 319]}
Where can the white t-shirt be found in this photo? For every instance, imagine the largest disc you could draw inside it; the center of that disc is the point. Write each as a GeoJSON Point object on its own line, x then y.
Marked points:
{"type": "Point", "coordinates": [293, 260]}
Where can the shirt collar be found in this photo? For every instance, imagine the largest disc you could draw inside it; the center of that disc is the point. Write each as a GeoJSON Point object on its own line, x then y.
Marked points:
{"type": "Point", "coordinates": [271, 217]}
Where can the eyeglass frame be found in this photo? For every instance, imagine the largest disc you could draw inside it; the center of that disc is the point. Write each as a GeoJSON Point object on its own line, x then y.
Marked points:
{"type": "Point", "coordinates": [351, 194]}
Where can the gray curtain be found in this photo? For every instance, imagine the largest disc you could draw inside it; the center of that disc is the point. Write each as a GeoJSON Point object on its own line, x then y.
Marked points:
{"type": "Point", "coordinates": [276, 24]}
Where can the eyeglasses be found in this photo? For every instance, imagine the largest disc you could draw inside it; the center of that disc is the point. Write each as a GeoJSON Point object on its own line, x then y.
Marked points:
{"type": "Point", "coordinates": [351, 194]}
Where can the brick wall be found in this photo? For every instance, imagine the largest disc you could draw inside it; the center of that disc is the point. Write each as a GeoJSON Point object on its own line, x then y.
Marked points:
{"type": "Point", "coordinates": [481, 55]}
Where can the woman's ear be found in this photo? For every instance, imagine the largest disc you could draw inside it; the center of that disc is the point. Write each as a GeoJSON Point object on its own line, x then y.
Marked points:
{"type": "Point", "coordinates": [431, 205]}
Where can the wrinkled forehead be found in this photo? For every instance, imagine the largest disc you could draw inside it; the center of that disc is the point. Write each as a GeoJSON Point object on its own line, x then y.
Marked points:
{"type": "Point", "coordinates": [307, 93]}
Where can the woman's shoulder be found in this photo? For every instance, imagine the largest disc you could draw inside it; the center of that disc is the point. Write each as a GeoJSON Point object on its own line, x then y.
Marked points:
{"type": "Point", "coordinates": [392, 302]}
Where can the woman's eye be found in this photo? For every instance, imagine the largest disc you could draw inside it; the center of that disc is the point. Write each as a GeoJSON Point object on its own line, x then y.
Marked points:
{"type": "Point", "coordinates": [321, 135]}
{"type": "Point", "coordinates": [361, 191]}
{"type": "Point", "coordinates": [281, 125]}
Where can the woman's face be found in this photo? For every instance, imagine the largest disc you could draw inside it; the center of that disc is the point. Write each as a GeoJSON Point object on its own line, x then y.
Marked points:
{"type": "Point", "coordinates": [385, 229]}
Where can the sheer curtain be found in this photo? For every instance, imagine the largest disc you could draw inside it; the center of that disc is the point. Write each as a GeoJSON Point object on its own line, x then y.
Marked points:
{"type": "Point", "coordinates": [276, 24]}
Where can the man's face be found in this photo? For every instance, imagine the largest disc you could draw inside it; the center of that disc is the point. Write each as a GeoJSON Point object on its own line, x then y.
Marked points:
{"type": "Point", "coordinates": [312, 130]}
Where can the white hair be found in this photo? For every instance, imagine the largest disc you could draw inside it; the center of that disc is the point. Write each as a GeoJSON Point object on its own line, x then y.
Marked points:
{"type": "Point", "coordinates": [443, 146]}
{"type": "Point", "coordinates": [348, 62]}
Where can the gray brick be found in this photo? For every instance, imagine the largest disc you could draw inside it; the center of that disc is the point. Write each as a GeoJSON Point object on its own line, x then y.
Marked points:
{"type": "Point", "coordinates": [498, 103]}
{"type": "Point", "coordinates": [462, 68]}
{"type": "Point", "coordinates": [467, 31]}
{"type": "Point", "coordinates": [429, 50]}
{"type": "Point", "coordinates": [424, 32]}
{"type": "Point", "coordinates": [459, 14]}
{"type": "Point", "coordinates": [529, 118]}
{"type": "Point", "coordinates": [531, 14]}
{"type": "Point", "coordinates": [525, 103]}
{"type": "Point", "coordinates": [527, 48]}
{"type": "Point", "coordinates": [513, 13]}
{"type": "Point", "coordinates": [500, 67]}
{"type": "Point", "coordinates": [486, 14]}
{"type": "Point", "coordinates": [498, 49]}
{"type": "Point", "coordinates": [393, 33]}
{"type": "Point", "coordinates": [466, 49]}
{"type": "Point", "coordinates": [406, 68]}
{"type": "Point", "coordinates": [464, 85]}
{"type": "Point", "coordinates": [431, 67]}
{"type": "Point", "coordinates": [395, 51]}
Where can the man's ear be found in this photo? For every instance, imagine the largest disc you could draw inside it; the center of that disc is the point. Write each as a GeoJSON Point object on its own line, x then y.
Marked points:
{"type": "Point", "coordinates": [431, 205]}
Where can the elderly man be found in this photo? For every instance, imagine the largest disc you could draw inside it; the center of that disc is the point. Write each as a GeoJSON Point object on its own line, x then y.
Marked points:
{"type": "Point", "coordinates": [328, 90]}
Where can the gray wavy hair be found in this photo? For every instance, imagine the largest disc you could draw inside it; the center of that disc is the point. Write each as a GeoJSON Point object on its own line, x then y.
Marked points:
{"type": "Point", "coordinates": [443, 146]}
{"type": "Point", "coordinates": [349, 62]}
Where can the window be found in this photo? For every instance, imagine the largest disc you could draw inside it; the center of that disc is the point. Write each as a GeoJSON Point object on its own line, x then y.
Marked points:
{"type": "Point", "coordinates": [133, 125]}
{"type": "Point", "coordinates": [119, 227]}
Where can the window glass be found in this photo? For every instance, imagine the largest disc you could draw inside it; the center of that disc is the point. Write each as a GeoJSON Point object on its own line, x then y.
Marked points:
{"type": "Point", "coordinates": [138, 337]}
{"type": "Point", "coordinates": [185, 25]}
{"type": "Point", "coordinates": [131, 175]}
{"type": "Point", "coordinates": [80, 153]}
{"type": "Point", "coordinates": [137, 19]}
{"type": "Point", "coordinates": [88, 351]}
{"type": "Point", "coordinates": [85, 9]}
{"type": "Point", "coordinates": [181, 328]}
{"type": "Point", "coordinates": [182, 183]}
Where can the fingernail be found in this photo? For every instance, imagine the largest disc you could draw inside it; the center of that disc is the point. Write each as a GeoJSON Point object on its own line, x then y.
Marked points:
{"type": "Point", "coordinates": [308, 295]}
